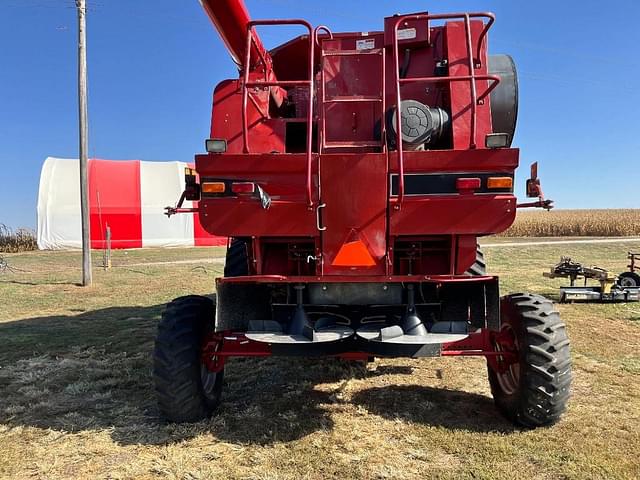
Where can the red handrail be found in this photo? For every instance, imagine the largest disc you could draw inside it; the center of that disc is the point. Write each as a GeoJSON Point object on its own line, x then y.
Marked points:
{"type": "Point", "coordinates": [471, 77]}
{"type": "Point", "coordinates": [284, 83]}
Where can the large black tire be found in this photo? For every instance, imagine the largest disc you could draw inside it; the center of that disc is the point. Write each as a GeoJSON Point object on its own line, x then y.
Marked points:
{"type": "Point", "coordinates": [533, 392]}
{"type": "Point", "coordinates": [479, 267]}
{"type": "Point", "coordinates": [186, 390]}
{"type": "Point", "coordinates": [237, 260]}
{"type": "Point", "coordinates": [629, 279]}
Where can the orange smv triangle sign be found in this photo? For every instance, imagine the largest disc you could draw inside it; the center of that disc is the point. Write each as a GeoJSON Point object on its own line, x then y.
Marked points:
{"type": "Point", "coordinates": [353, 253]}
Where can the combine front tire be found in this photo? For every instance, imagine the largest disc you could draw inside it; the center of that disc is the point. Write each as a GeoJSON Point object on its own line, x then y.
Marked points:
{"type": "Point", "coordinates": [532, 391]}
{"type": "Point", "coordinates": [187, 391]}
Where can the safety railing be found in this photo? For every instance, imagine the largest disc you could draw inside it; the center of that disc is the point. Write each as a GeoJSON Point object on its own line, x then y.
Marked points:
{"type": "Point", "coordinates": [247, 84]}
{"type": "Point", "coordinates": [472, 62]}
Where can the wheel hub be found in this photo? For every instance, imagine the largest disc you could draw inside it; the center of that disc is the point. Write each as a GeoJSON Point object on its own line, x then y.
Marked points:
{"type": "Point", "coordinates": [507, 367]}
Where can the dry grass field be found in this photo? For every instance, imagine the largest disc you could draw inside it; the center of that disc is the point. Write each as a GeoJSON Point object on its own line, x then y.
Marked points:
{"type": "Point", "coordinates": [576, 223]}
{"type": "Point", "coordinates": [76, 399]}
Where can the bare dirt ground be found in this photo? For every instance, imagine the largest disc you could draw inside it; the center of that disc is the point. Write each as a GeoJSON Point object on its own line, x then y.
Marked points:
{"type": "Point", "coordinates": [76, 399]}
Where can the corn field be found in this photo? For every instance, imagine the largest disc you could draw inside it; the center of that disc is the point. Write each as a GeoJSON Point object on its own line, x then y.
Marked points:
{"type": "Point", "coordinates": [576, 223]}
{"type": "Point", "coordinates": [19, 240]}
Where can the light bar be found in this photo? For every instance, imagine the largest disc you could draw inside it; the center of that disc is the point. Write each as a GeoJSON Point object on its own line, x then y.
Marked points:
{"type": "Point", "coordinates": [496, 140]}
{"type": "Point", "coordinates": [243, 187]}
{"type": "Point", "coordinates": [213, 187]}
{"type": "Point", "coordinates": [215, 145]}
{"type": "Point", "coordinates": [467, 184]}
{"type": "Point", "coordinates": [500, 182]}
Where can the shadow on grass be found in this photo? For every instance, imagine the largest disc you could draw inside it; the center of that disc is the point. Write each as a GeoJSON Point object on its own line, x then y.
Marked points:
{"type": "Point", "coordinates": [93, 371]}
{"type": "Point", "coordinates": [451, 409]}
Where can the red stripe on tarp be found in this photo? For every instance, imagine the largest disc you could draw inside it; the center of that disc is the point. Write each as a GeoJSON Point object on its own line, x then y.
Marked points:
{"type": "Point", "coordinates": [114, 200]}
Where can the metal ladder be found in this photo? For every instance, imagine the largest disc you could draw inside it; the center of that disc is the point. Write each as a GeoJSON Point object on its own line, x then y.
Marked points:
{"type": "Point", "coordinates": [324, 144]}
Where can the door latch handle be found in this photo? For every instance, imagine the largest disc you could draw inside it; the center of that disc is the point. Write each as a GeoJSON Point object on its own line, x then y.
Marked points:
{"type": "Point", "coordinates": [318, 225]}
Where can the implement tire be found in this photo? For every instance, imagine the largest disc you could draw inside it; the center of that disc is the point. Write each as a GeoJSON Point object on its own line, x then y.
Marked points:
{"type": "Point", "coordinates": [186, 390]}
{"type": "Point", "coordinates": [629, 279]}
{"type": "Point", "coordinates": [534, 391]}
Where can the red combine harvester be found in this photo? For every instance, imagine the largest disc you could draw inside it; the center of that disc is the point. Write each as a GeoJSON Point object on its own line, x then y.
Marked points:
{"type": "Point", "coordinates": [353, 237]}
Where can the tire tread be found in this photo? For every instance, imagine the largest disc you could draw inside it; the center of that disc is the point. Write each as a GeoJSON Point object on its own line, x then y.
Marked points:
{"type": "Point", "coordinates": [545, 366]}
{"type": "Point", "coordinates": [176, 362]}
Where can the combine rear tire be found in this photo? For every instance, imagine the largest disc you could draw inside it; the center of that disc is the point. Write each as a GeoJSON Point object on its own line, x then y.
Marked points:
{"type": "Point", "coordinates": [187, 391]}
{"type": "Point", "coordinates": [479, 267]}
{"type": "Point", "coordinates": [533, 392]}
{"type": "Point", "coordinates": [629, 279]}
{"type": "Point", "coordinates": [236, 263]}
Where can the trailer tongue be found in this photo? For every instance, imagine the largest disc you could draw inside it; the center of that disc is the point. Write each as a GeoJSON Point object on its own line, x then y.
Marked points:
{"type": "Point", "coordinates": [353, 173]}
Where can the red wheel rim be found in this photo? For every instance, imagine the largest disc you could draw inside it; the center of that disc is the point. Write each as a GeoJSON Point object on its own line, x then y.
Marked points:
{"type": "Point", "coordinates": [508, 372]}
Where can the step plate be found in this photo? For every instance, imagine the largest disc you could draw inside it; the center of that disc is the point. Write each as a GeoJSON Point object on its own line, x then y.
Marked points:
{"type": "Point", "coordinates": [327, 341]}
{"type": "Point", "coordinates": [429, 345]}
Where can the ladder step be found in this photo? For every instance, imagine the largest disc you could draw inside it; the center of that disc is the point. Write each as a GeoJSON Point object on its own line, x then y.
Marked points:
{"type": "Point", "coordinates": [346, 53]}
{"type": "Point", "coordinates": [350, 99]}
{"type": "Point", "coordinates": [353, 144]}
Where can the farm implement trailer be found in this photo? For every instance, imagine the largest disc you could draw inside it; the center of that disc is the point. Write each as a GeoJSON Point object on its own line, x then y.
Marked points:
{"type": "Point", "coordinates": [632, 277]}
{"type": "Point", "coordinates": [613, 288]}
{"type": "Point", "coordinates": [353, 173]}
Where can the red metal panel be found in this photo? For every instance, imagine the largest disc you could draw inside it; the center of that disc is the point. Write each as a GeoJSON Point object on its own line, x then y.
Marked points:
{"type": "Point", "coordinates": [419, 29]}
{"type": "Point", "coordinates": [226, 122]}
{"type": "Point", "coordinates": [460, 91]}
{"type": "Point", "coordinates": [422, 61]}
{"type": "Point", "coordinates": [281, 176]}
{"type": "Point", "coordinates": [114, 200]}
{"type": "Point", "coordinates": [202, 238]}
{"type": "Point", "coordinates": [453, 214]}
{"type": "Point", "coordinates": [480, 160]}
{"type": "Point", "coordinates": [239, 217]}
{"type": "Point", "coordinates": [355, 193]}
{"type": "Point", "coordinates": [467, 250]}
{"type": "Point", "coordinates": [282, 279]}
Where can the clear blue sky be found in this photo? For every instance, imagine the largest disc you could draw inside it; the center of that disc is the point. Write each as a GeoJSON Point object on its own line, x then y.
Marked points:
{"type": "Point", "coordinates": [153, 66]}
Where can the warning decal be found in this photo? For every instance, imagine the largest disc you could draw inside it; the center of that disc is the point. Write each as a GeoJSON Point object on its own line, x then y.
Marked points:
{"type": "Point", "coordinates": [366, 44]}
{"type": "Point", "coordinates": [406, 33]}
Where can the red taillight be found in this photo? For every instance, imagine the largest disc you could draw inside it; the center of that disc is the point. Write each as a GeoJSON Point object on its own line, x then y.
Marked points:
{"type": "Point", "coordinates": [243, 187]}
{"type": "Point", "coordinates": [467, 184]}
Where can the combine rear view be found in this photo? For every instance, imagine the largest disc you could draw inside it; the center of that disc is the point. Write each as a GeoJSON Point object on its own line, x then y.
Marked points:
{"type": "Point", "coordinates": [354, 173]}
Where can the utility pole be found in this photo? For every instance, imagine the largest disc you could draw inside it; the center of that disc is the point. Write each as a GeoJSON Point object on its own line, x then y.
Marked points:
{"type": "Point", "coordinates": [84, 142]}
